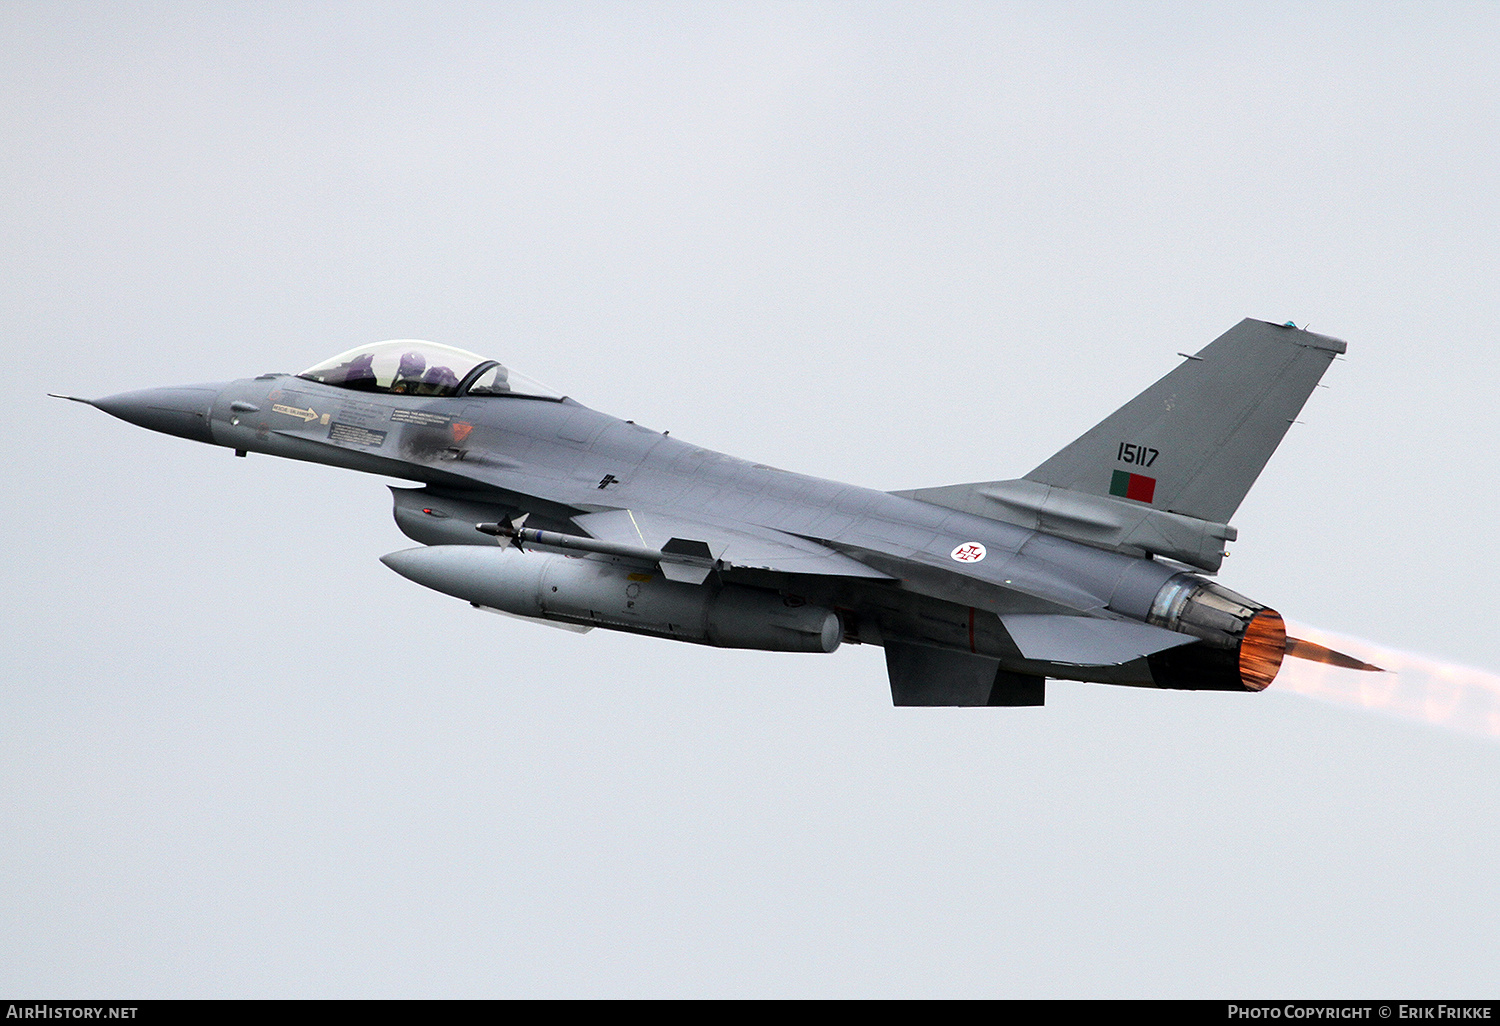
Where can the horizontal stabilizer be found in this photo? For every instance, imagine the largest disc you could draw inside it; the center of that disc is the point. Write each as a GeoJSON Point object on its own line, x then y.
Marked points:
{"type": "Point", "coordinates": [931, 676]}
{"type": "Point", "coordinates": [1087, 640]}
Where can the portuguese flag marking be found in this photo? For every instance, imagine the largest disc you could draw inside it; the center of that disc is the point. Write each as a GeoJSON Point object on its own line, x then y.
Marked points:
{"type": "Point", "coordinates": [1132, 486]}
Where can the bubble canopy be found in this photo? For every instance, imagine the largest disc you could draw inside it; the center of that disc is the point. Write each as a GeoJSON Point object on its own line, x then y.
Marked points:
{"type": "Point", "coordinates": [414, 367]}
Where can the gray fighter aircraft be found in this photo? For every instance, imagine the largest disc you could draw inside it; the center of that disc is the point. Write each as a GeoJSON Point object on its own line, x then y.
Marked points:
{"type": "Point", "coordinates": [1091, 567]}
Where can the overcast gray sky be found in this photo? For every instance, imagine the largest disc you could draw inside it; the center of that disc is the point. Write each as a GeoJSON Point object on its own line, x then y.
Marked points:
{"type": "Point", "coordinates": [898, 245]}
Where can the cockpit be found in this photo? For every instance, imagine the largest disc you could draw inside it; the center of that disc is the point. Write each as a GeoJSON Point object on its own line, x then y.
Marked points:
{"type": "Point", "coordinates": [412, 367]}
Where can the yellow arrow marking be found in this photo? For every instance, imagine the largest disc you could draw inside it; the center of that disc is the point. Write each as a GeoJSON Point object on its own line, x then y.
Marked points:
{"type": "Point", "coordinates": [292, 411]}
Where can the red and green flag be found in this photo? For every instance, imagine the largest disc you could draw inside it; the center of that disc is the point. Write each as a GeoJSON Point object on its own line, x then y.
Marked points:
{"type": "Point", "coordinates": [1132, 486]}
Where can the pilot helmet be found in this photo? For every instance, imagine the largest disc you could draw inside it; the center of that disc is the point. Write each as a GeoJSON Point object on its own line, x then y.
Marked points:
{"type": "Point", "coordinates": [361, 369]}
{"type": "Point", "coordinates": [440, 377]}
{"type": "Point", "coordinates": [412, 365]}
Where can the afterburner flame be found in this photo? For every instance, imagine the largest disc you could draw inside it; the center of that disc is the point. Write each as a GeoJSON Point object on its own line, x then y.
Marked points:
{"type": "Point", "coordinates": [1414, 687]}
{"type": "Point", "coordinates": [1301, 648]}
{"type": "Point", "coordinates": [1261, 649]}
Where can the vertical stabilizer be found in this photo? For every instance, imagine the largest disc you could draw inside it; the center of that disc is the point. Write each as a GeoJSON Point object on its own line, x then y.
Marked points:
{"type": "Point", "coordinates": [1194, 442]}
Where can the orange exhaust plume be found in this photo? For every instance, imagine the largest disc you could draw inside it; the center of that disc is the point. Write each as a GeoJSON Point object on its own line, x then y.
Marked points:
{"type": "Point", "coordinates": [1413, 687]}
{"type": "Point", "coordinates": [1315, 653]}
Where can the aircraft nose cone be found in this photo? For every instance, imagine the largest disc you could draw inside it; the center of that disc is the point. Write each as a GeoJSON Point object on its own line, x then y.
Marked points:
{"type": "Point", "coordinates": [181, 411]}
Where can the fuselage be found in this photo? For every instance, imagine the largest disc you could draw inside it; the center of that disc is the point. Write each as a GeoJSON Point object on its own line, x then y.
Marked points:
{"type": "Point", "coordinates": [976, 591]}
{"type": "Point", "coordinates": [558, 459]}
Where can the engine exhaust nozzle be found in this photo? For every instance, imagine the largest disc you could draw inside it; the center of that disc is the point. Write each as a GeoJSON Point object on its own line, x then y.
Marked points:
{"type": "Point", "coordinates": [1242, 641]}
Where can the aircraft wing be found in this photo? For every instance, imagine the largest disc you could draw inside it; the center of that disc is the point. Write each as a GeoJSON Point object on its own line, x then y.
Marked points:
{"type": "Point", "coordinates": [744, 545]}
{"type": "Point", "coordinates": [1073, 639]}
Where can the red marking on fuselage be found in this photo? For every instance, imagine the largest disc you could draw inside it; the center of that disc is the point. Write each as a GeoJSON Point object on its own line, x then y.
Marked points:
{"type": "Point", "coordinates": [1141, 488]}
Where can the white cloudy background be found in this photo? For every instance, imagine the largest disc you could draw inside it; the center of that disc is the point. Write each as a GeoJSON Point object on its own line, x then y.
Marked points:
{"type": "Point", "coordinates": [898, 245]}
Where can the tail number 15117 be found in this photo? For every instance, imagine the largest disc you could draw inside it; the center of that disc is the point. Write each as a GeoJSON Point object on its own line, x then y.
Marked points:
{"type": "Point", "coordinates": [1140, 455]}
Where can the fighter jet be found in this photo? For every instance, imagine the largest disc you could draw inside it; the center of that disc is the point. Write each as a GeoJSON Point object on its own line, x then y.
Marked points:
{"type": "Point", "coordinates": [1094, 567]}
